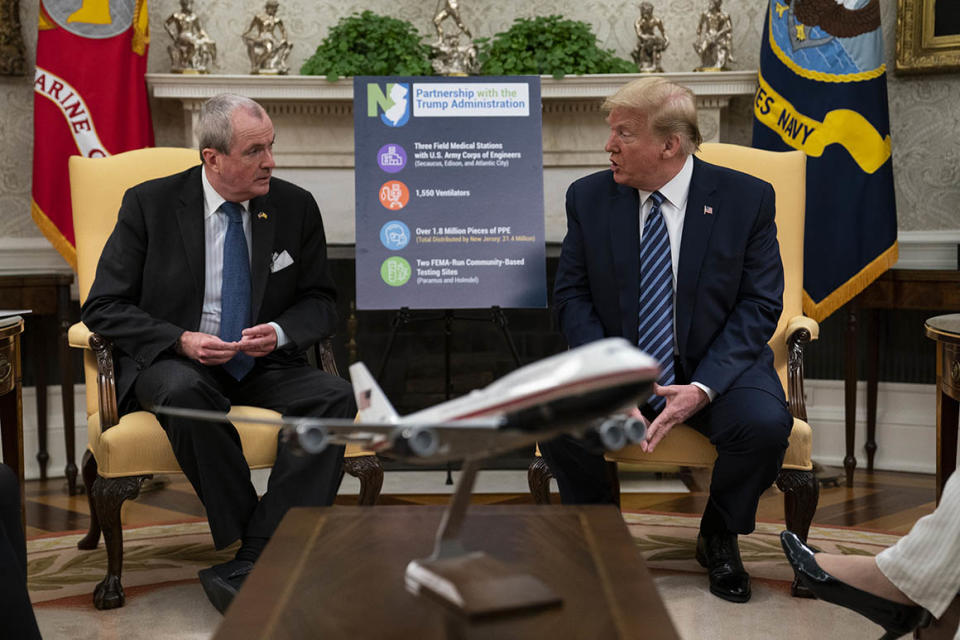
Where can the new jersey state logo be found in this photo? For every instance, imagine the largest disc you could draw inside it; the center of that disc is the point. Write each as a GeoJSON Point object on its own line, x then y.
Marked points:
{"type": "Point", "coordinates": [392, 103]}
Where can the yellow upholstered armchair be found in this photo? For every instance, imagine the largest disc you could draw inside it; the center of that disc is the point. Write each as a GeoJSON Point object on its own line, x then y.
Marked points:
{"type": "Point", "coordinates": [684, 446]}
{"type": "Point", "coordinates": [123, 451]}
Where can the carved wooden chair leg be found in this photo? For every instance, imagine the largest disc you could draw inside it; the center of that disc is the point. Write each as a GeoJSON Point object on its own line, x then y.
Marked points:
{"type": "Point", "coordinates": [801, 492]}
{"type": "Point", "coordinates": [88, 470]}
{"type": "Point", "coordinates": [108, 495]}
{"type": "Point", "coordinates": [538, 479]}
{"type": "Point", "coordinates": [369, 471]}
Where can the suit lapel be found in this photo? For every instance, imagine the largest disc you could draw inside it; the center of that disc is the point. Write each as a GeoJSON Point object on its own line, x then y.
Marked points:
{"type": "Point", "coordinates": [263, 219]}
{"type": "Point", "coordinates": [702, 210]}
{"type": "Point", "coordinates": [190, 220]}
{"type": "Point", "coordinates": [625, 252]}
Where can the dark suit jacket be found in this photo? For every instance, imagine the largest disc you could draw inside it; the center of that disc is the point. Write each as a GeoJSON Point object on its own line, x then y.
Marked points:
{"type": "Point", "coordinates": [729, 277]}
{"type": "Point", "coordinates": [150, 279]}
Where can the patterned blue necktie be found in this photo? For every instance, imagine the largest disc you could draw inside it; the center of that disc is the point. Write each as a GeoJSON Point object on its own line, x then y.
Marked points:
{"type": "Point", "coordinates": [656, 296]}
{"type": "Point", "coordinates": [235, 289]}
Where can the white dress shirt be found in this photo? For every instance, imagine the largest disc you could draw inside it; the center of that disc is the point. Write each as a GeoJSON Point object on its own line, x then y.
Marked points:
{"type": "Point", "coordinates": [215, 224]}
{"type": "Point", "coordinates": [673, 209]}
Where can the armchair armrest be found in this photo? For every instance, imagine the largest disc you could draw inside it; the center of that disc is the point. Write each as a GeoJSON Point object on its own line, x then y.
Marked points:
{"type": "Point", "coordinates": [800, 331]}
{"type": "Point", "coordinates": [79, 336]}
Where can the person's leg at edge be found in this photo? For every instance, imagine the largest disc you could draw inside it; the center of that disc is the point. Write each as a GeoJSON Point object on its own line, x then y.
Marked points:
{"type": "Point", "coordinates": [922, 568]}
{"type": "Point", "coordinates": [16, 612]}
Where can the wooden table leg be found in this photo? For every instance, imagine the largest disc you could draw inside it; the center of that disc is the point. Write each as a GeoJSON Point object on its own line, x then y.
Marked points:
{"type": "Point", "coordinates": [873, 342]}
{"type": "Point", "coordinates": [66, 387]}
{"type": "Point", "coordinates": [947, 419]}
{"type": "Point", "coordinates": [850, 392]}
{"type": "Point", "coordinates": [38, 346]}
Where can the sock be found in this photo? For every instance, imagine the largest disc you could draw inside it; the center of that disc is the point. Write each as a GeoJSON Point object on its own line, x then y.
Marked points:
{"type": "Point", "coordinates": [251, 548]}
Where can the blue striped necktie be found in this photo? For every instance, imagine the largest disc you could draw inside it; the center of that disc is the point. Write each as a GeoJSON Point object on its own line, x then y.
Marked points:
{"type": "Point", "coordinates": [235, 289]}
{"type": "Point", "coordinates": [656, 296]}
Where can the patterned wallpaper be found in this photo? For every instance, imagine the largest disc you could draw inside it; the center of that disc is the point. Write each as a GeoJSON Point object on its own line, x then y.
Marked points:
{"type": "Point", "coordinates": [924, 111]}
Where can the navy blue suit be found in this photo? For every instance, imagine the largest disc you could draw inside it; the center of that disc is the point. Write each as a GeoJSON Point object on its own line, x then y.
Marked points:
{"type": "Point", "coordinates": [728, 301]}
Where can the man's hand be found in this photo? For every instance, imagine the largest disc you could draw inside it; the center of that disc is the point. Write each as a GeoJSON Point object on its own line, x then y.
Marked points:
{"type": "Point", "coordinates": [205, 348]}
{"type": "Point", "coordinates": [258, 341]}
{"type": "Point", "coordinates": [683, 400]}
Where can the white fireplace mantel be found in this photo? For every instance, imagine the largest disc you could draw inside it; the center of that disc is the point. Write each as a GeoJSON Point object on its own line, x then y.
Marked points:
{"type": "Point", "coordinates": [314, 122]}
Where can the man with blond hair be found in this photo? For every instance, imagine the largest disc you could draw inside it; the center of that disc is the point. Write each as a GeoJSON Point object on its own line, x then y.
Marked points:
{"type": "Point", "coordinates": [681, 258]}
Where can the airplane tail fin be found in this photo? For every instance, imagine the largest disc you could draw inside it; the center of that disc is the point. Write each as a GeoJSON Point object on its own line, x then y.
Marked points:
{"type": "Point", "coordinates": [372, 403]}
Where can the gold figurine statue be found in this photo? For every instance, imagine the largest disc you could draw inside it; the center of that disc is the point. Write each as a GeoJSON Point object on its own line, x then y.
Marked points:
{"type": "Point", "coordinates": [714, 42]}
{"type": "Point", "coordinates": [450, 58]}
{"type": "Point", "coordinates": [650, 45]}
{"type": "Point", "coordinates": [267, 45]}
{"type": "Point", "coordinates": [451, 10]}
{"type": "Point", "coordinates": [192, 51]}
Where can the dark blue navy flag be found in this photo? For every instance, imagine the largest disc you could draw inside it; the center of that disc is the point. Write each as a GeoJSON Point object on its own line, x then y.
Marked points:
{"type": "Point", "coordinates": [823, 90]}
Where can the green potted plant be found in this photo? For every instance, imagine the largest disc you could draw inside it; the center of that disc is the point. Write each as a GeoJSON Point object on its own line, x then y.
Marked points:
{"type": "Point", "coordinates": [547, 45]}
{"type": "Point", "coordinates": [367, 44]}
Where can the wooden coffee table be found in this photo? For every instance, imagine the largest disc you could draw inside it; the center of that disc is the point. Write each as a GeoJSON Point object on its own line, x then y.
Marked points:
{"type": "Point", "coordinates": [338, 572]}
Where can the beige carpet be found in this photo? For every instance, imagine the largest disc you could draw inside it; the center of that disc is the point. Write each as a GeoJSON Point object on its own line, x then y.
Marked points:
{"type": "Point", "coordinates": [165, 601]}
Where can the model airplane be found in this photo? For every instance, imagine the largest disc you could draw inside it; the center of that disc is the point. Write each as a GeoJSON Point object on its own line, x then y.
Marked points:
{"type": "Point", "coordinates": [584, 391]}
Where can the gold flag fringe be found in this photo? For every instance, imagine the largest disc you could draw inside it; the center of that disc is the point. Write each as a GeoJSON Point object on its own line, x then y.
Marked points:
{"type": "Point", "coordinates": [52, 233]}
{"type": "Point", "coordinates": [849, 289]}
{"type": "Point", "coordinates": [141, 28]}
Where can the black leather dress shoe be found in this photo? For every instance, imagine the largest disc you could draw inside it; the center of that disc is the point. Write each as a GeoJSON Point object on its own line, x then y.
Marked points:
{"type": "Point", "coordinates": [720, 555]}
{"type": "Point", "coordinates": [896, 619]}
{"type": "Point", "coordinates": [222, 581]}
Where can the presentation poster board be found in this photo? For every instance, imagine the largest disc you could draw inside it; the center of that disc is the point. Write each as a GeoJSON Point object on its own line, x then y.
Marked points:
{"type": "Point", "coordinates": [449, 192]}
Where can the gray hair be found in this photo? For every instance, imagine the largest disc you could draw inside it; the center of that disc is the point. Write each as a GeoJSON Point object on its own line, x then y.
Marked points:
{"type": "Point", "coordinates": [668, 107]}
{"type": "Point", "coordinates": [215, 124]}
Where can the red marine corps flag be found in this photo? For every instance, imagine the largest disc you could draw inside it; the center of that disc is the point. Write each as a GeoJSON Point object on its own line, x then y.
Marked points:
{"type": "Point", "coordinates": [90, 99]}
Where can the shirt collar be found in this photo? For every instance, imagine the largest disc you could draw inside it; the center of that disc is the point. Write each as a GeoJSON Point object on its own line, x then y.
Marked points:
{"type": "Point", "coordinates": [677, 189]}
{"type": "Point", "coordinates": [211, 199]}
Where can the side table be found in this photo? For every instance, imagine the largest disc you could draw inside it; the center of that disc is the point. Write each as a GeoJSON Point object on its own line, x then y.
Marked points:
{"type": "Point", "coordinates": [11, 407]}
{"type": "Point", "coordinates": [936, 290]}
{"type": "Point", "coordinates": [47, 294]}
{"type": "Point", "coordinates": [945, 330]}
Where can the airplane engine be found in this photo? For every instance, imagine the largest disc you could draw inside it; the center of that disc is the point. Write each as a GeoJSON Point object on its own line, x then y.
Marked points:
{"type": "Point", "coordinates": [417, 441]}
{"type": "Point", "coordinates": [612, 434]}
{"type": "Point", "coordinates": [312, 438]}
{"type": "Point", "coordinates": [636, 430]}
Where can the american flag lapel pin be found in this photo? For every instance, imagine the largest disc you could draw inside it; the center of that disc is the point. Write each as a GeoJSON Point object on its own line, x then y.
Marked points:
{"type": "Point", "coordinates": [262, 215]}
{"type": "Point", "coordinates": [707, 210]}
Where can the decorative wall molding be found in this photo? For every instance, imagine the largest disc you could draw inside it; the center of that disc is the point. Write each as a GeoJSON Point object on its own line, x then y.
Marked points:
{"type": "Point", "coordinates": [929, 249]}
{"type": "Point", "coordinates": [906, 425]}
{"type": "Point", "coordinates": [298, 95]}
{"type": "Point", "coordinates": [29, 255]}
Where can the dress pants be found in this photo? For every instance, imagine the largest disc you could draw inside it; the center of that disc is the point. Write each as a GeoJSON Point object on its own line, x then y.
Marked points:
{"type": "Point", "coordinates": [750, 429]}
{"type": "Point", "coordinates": [210, 453]}
{"type": "Point", "coordinates": [925, 563]}
{"type": "Point", "coordinates": [16, 613]}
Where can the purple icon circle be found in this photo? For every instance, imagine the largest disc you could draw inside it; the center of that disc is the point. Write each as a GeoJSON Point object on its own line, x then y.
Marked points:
{"type": "Point", "coordinates": [391, 158]}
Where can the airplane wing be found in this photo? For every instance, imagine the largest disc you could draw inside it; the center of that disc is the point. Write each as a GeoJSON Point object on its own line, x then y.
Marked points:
{"type": "Point", "coordinates": [431, 443]}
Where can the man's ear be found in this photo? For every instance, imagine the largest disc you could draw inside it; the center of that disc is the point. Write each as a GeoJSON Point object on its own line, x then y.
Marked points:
{"type": "Point", "coordinates": [671, 146]}
{"type": "Point", "coordinates": [211, 159]}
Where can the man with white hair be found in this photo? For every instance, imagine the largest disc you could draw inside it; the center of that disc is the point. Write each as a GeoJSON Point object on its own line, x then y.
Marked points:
{"type": "Point", "coordinates": [212, 286]}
